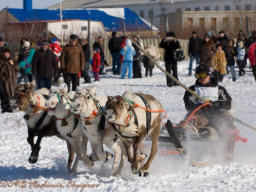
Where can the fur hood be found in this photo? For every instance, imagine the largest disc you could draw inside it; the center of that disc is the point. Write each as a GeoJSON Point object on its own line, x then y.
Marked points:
{"type": "Point", "coordinates": [128, 42]}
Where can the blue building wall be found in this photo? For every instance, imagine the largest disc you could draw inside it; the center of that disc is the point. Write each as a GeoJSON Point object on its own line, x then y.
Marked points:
{"type": "Point", "coordinates": [132, 21]}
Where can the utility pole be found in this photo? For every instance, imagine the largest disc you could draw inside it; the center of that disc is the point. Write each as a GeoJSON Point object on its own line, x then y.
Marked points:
{"type": "Point", "coordinates": [61, 23]}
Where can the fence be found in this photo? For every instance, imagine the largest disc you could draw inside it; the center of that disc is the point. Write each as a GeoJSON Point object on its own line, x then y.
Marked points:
{"type": "Point", "coordinates": [145, 43]}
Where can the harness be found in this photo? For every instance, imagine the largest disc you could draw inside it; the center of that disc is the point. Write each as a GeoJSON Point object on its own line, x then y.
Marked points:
{"type": "Point", "coordinates": [40, 121]}
{"type": "Point", "coordinates": [94, 113]}
{"type": "Point", "coordinates": [132, 112]}
{"type": "Point", "coordinates": [64, 121]}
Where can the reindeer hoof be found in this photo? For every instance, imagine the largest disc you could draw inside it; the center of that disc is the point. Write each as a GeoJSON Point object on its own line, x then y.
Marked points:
{"type": "Point", "coordinates": [139, 174]}
{"type": "Point", "coordinates": [32, 160]}
{"type": "Point", "coordinates": [145, 174]}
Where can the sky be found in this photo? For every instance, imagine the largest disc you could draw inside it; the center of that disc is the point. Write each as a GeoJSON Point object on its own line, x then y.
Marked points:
{"type": "Point", "coordinates": [37, 4]}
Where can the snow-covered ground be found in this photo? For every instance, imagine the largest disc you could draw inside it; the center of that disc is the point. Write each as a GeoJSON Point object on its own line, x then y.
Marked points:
{"type": "Point", "coordinates": [168, 172]}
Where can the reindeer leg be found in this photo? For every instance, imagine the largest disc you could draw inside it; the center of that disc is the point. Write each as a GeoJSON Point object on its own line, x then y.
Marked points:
{"type": "Point", "coordinates": [100, 151]}
{"type": "Point", "coordinates": [123, 158]}
{"type": "Point", "coordinates": [135, 162]}
{"type": "Point", "coordinates": [30, 139]}
{"type": "Point", "coordinates": [70, 156]}
{"type": "Point", "coordinates": [86, 160]}
{"type": "Point", "coordinates": [35, 153]}
{"type": "Point", "coordinates": [73, 170]}
{"type": "Point", "coordinates": [117, 151]}
{"type": "Point", "coordinates": [155, 134]}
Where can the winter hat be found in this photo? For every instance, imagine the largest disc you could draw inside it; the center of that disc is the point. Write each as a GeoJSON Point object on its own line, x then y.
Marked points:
{"type": "Point", "coordinates": [240, 44]}
{"type": "Point", "coordinates": [170, 34]}
{"type": "Point", "coordinates": [202, 69]}
{"type": "Point", "coordinates": [45, 42]}
{"type": "Point", "coordinates": [193, 32]}
{"type": "Point", "coordinates": [113, 33]}
{"type": "Point", "coordinates": [26, 44]}
{"type": "Point", "coordinates": [1, 39]}
{"type": "Point", "coordinates": [221, 32]}
{"type": "Point", "coordinates": [99, 36]}
{"type": "Point", "coordinates": [73, 37]}
{"type": "Point", "coordinates": [206, 36]}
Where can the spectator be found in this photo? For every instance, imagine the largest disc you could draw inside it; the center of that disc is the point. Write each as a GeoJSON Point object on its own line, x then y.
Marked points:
{"type": "Point", "coordinates": [170, 44]}
{"type": "Point", "coordinates": [223, 39]}
{"type": "Point", "coordinates": [230, 53]}
{"type": "Point", "coordinates": [240, 57]}
{"type": "Point", "coordinates": [99, 44]}
{"type": "Point", "coordinates": [219, 64]}
{"type": "Point", "coordinates": [207, 51]}
{"type": "Point", "coordinates": [3, 45]}
{"type": "Point", "coordinates": [8, 79]}
{"type": "Point", "coordinates": [123, 40]}
{"type": "Point", "coordinates": [87, 53]}
{"type": "Point", "coordinates": [22, 41]}
{"type": "Point", "coordinates": [56, 49]}
{"type": "Point", "coordinates": [252, 56]}
{"type": "Point", "coordinates": [128, 52]}
{"type": "Point", "coordinates": [72, 62]}
{"type": "Point", "coordinates": [96, 64]}
{"type": "Point", "coordinates": [241, 37]}
{"type": "Point", "coordinates": [148, 64]}
{"type": "Point", "coordinates": [114, 48]}
{"type": "Point", "coordinates": [136, 59]}
{"type": "Point", "coordinates": [26, 63]}
{"type": "Point", "coordinates": [194, 48]}
{"type": "Point", "coordinates": [44, 66]}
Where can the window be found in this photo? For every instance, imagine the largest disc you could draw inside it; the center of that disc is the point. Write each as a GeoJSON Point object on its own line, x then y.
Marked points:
{"type": "Point", "coordinates": [142, 14]}
{"type": "Point", "coordinates": [150, 13]}
{"type": "Point", "coordinates": [207, 8]}
{"type": "Point", "coordinates": [213, 24]}
{"type": "Point", "coordinates": [201, 23]}
{"type": "Point", "coordinates": [227, 8]}
{"type": "Point", "coordinates": [197, 9]}
{"type": "Point", "coordinates": [64, 26]}
{"type": "Point", "coordinates": [187, 9]}
{"type": "Point", "coordinates": [225, 23]}
{"type": "Point", "coordinates": [236, 24]}
{"type": "Point", "coordinates": [248, 7]}
{"type": "Point", "coordinates": [237, 7]}
{"type": "Point", "coordinates": [190, 23]}
{"type": "Point", "coordinates": [84, 28]}
{"type": "Point", "coordinates": [216, 8]}
{"type": "Point", "coordinates": [178, 10]}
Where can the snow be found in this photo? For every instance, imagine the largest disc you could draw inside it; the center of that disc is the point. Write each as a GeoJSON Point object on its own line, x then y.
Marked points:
{"type": "Point", "coordinates": [115, 12]}
{"type": "Point", "coordinates": [168, 172]}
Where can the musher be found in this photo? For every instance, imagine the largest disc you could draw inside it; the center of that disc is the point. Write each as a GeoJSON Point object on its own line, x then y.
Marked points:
{"type": "Point", "coordinates": [216, 113]}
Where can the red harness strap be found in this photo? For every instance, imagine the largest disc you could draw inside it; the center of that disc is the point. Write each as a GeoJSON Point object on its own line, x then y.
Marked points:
{"type": "Point", "coordinates": [68, 115]}
{"type": "Point", "coordinates": [37, 105]}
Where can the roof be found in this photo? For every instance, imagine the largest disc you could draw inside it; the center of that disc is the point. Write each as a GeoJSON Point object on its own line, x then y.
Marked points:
{"type": "Point", "coordinates": [111, 18]}
{"type": "Point", "coordinates": [106, 3]}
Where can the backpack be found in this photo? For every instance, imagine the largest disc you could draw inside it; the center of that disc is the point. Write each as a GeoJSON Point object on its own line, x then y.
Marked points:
{"type": "Point", "coordinates": [179, 55]}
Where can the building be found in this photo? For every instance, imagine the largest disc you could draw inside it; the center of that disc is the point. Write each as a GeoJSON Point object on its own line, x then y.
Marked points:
{"type": "Point", "coordinates": [152, 10]}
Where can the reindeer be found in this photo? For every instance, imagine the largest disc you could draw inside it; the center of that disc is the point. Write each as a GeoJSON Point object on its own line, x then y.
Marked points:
{"type": "Point", "coordinates": [91, 106]}
{"type": "Point", "coordinates": [133, 124]}
{"type": "Point", "coordinates": [38, 121]}
{"type": "Point", "coordinates": [68, 125]}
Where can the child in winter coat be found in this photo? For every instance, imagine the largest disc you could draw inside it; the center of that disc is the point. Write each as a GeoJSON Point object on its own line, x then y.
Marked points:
{"type": "Point", "coordinates": [128, 52]}
{"type": "Point", "coordinates": [240, 57]}
{"type": "Point", "coordinates": [25, 64]}
{"type": "Point", "coordinates": [219, 64]}
{"type": "Point", "coordinates": [96, 64]}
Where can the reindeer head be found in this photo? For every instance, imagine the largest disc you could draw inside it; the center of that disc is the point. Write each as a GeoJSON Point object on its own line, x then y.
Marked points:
{"type": "Point", "coordinates": [117, 110]}
{"type": "Point", "coordinates": [23, 95]}
{"type": "Point", "coordinates": [59, 97]}
{"type": "Point", "coordinates": [84, 102]}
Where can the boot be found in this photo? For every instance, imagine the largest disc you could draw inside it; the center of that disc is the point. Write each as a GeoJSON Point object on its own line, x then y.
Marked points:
{"type": "Point", "coordinates": [233, 79]}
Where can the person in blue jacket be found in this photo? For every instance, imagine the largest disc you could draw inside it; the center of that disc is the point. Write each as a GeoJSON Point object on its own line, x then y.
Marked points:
{"type": "Point", "coordinates": [26, 63]}
{"type": "Point", "coordinates": [128, 52]}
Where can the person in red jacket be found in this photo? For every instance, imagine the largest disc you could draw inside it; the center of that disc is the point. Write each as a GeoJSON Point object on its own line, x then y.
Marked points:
{"type": "Point", "coordinates": [96, 64]}
{"type": "Point", "coordinates": [252, 57]}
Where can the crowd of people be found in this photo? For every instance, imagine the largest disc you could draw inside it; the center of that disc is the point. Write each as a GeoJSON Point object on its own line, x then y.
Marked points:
{"type": "Point", "coordinates": [47, 60]}
{"type": "Point", "coordinates": [221, 53]}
